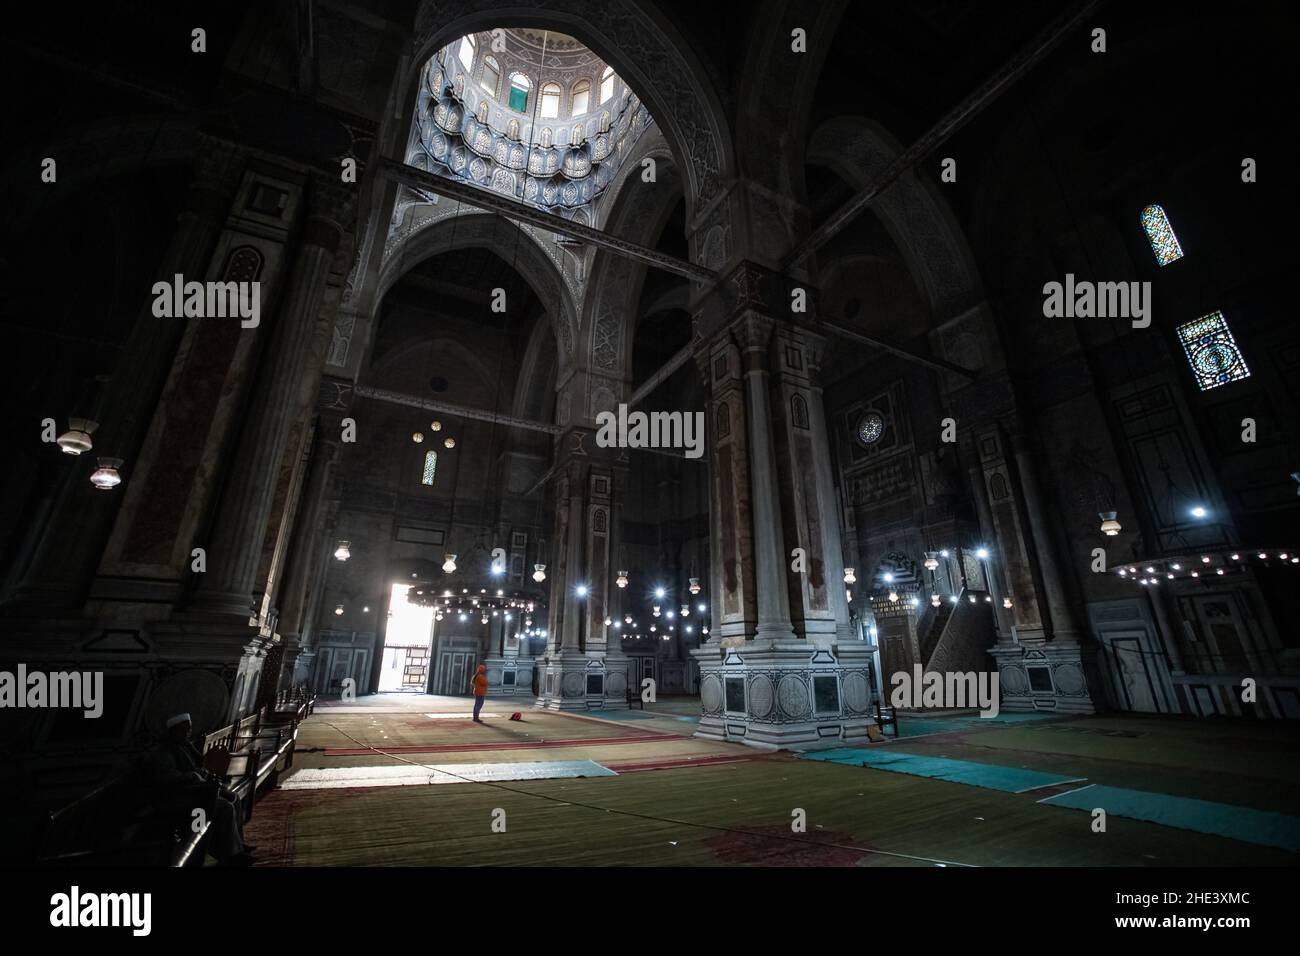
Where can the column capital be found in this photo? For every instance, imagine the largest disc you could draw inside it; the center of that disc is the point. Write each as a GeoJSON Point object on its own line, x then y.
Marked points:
{"type": "Point", "coordinates": [753, 331]}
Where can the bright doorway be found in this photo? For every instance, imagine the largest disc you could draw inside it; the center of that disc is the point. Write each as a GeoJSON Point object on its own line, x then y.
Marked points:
{"type": "Point", "coordinates": [407, 644]}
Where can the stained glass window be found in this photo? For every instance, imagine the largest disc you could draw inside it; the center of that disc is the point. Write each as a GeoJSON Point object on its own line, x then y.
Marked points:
{"type": "Point", "coordinates": [1212, 352]}
{"type": "Point", "coordinates": [870, 427]}
{"type": "Point", "coordinates": [430, 466]}
{"type": "Point", "coordinates": [1161, 235]}
{"type": "Point", "coordinates": [519, 87]}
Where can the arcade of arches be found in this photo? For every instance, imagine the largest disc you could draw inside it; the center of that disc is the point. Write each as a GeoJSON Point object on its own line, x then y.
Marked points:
{"type": "Point", "coordinates": [477, 238]}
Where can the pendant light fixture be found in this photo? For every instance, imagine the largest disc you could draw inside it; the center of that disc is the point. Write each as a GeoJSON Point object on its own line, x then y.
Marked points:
{"type": "Point", "coordinates": [850, 577]}
{"type": "Point", "coordinates": [539, 573]}
{"type": "Point", "coordinates": [342, 552]}
{"type": "Point", "coordinates": [76, 439]}
{"type": "Point", "coordinates": [1110, 526]}
{"type": "Point", "coordinates": [695, 584]}
{"type": "Point", "coordinates": [106, 476]}
{"type": "Point", "coordinates": [449, 565]}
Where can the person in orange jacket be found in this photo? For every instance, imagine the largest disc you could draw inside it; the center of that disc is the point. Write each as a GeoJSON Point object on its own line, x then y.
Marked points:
{"type": "Point", "coordinates": [480, 683]}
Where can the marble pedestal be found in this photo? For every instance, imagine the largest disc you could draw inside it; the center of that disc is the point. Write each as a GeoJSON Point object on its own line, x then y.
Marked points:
{"type": "Point", "coordinates": [509, 676]}
{"type": "Point", "coordinates": [1053, 676]}
{"type": "Point", "coordinates": [781, 694]}
{"type": "Point", "coordinates": [574, 680]}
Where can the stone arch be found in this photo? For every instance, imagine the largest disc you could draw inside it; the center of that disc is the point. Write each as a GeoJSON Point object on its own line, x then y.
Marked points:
{"type": "Point", "coordinates": [775, 104]}
{"type": "Point", "coordinates": [919, 220]}
{"type": "Point", "coordinates": [506, 239]}
{"type": "Point", "coordinates": [609, 320]}
{"type": "Point", "coordinates": [646, 51]}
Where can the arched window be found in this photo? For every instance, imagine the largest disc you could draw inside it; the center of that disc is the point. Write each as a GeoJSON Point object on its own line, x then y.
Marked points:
{"type": "Point", "coordinates": [1212, 352]}
{"type": "Point", "coordinates": [466, 51]}
{"type": "Point", "coordinates": [581, 97]}
{"type": "Point", "coordinates": [512, 129]}
{"type": "Point", "coordinates": [546, 137]}
{"type": "Point", "coordinates": [550, 101]}
{"type": "Point", "coordinates": [430, 466]}
{"type": "Point", "coordinates": [491, 78]}
{"type": "Point", "coordinates": [1161, 235]}
{"type": "Point", "coordinates": [519, 87]}
{"type": "Point", "coordinates": [577, 135]}
{"type": "Point", "coordinates": [481, 114]}
{"type": "Point", "coordinates": [607, 84]}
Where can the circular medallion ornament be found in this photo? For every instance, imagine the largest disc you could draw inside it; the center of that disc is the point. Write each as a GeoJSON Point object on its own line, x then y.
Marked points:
{"type": "Point", "coordinates": [760, 696]}
{"type": "Point", "coordinates": [572, 684]}
{"type": "Point", "coordinates": [1014, 680]}
{"type": "Point", "coordinates": [855, 692]}
{"type": "Point", "coordinates": [615, 684]}
{"type": "Point", "coordinates": [711, 694]}
{"type": "Point", "coordinates": [870, 427]}
{"type": "Point", "coordinates": [1069, 680]}
{"type": "Point", "coordinates": [793, 694]}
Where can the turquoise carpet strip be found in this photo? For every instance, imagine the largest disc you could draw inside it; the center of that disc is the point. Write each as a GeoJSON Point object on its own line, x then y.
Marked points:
{"type": "Point", "coordinates": [989, 776]}
{"type": "Point", "coordinates": [1220, 819]}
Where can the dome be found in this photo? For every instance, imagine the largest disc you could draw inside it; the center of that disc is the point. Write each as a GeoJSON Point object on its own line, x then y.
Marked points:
{"type": "Point", "coordinates": [530, 113]}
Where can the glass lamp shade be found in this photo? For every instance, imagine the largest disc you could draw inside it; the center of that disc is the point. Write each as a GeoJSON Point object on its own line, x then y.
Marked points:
{"type": "Point", "coordinates": [893, 596]}
{"type": "Point", "coordinates": [1006, 602]}
{"type": "Point", "coordinates": [695, 586]}
{"type": "Point", "coordinates": [338, 609]}
{"type": "Point", "coordinates": [417, 437]}
{"type": "Point", "coordinates": [435, 426]}
{"type": "Point", "coordinates": [106, 476]}
{"type": "Point", "coordinates": [686, 610]}
{"type": "Point", "coordinates": [850, 576]}
{"type": "Point", "coordinates": [539, 573]}
{"type": "Point", "coordinates": [931, 561]}
{"type": "Point", "coordinates": [935, 600]}
{"type": "Point", "coordinates": [76, 440]}
{"type": "Point", "coordinates": [621, 580]}
{"type": "Point", "coordinates": [449, 442]}
{"type": "Point", "coordinates": [1109, 525]}
{"type": "Point", "coordinates": [449, 565]}
{"type": "Point", "coordinates": [343, 552]}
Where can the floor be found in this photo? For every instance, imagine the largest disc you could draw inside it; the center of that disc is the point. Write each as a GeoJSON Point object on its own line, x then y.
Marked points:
{"type": "Point", "coordinates": [636, 788]}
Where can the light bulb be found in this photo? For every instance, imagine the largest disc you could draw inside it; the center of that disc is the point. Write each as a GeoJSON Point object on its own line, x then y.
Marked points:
{"type": "Point", "coordinates": [893, 596]}
{"type": "Point", "coordinates": [435, 426]}
{"type": "Point", "coordinates": [580, 590]}
{"type": "Point", "coordinates": [982, 553]}
{"type": "Point", "coordinates": [338, 609]}
{"type": "Point", "coordinates": [449, 442]}
{"type": "Point", "coordinates": [417, 437]}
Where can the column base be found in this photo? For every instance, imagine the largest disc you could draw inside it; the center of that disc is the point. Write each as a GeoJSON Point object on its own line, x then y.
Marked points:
{"type": "Point", "coordinates": [781, 695]}
{"type": "Point", "coordinates": [573, 680]}
{"type": "Point", "coordinates": [1049, 676]}
{"type": "Point", "coordinates": [509, 676]}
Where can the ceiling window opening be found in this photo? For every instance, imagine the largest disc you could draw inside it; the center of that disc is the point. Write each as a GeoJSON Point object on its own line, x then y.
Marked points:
{"type": "Point", "coordinates": [607, 84]}
{"type": "Point", "coordinates": [581, 97]}
{"type": "Point", "coordinates": [550, 101]}
{"type": "Point", "coordinates": [466, 52]}
{"type": "Point", "coordinates": [519, 87]}
{"type": "Point", "coordinates": [491, 78]}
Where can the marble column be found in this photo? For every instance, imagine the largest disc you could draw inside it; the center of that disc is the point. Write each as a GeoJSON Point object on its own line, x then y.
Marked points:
{"type": "Point", "coordinates": [70, 545]}
{"type": "Point", "coordinates": [306, 543]}
{"type": "Point", "coordinates": [993, 564]}
{"type": "Point", "coordinates": [240, 526]}
{"type": "Point", "coordinates": [753, 334]}
{"type": "Point", "coordinates": [1064, 626]}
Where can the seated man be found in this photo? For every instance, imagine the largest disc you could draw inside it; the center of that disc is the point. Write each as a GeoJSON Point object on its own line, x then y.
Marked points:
{"type": "Point", "coordinates": [176, 767]}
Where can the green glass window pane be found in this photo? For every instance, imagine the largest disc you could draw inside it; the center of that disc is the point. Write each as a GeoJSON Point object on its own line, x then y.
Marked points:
{"type": "Point", "coordinates": [518, 99]}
